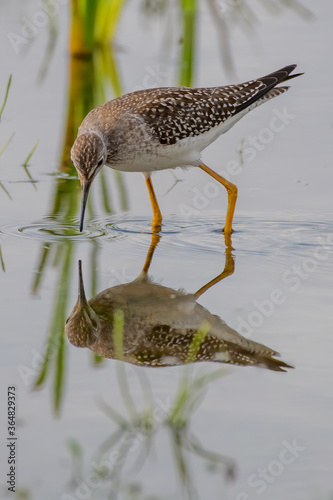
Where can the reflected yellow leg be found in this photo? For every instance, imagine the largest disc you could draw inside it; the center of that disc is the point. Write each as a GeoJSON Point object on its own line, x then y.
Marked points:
{"type": "Point", "coordinates": [155, 238]}
{"type": "Point", "coordinates": [232, 195]}
{"type": "Point", "coordinates": [157, 216]}
{"type": "Point", "coordinates": [229, 268]}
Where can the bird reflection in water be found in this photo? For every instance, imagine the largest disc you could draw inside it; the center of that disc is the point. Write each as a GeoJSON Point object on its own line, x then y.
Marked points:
{"type": "Point", "coordinates": [161, 326]}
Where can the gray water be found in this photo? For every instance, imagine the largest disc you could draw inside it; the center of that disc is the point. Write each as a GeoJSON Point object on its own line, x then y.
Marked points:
{"type": "Point", "coordinates": [273, 429]}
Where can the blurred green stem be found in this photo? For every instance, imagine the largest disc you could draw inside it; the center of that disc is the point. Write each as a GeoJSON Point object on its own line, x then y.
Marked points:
{"type": "Point", "coordinates": [189, 14]}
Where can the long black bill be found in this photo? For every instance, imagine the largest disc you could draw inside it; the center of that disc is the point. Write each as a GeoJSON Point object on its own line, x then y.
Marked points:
{"type": "Point", "coordinates": [85, 191]}
{"type": "Point", "coordinates": [82, 296]}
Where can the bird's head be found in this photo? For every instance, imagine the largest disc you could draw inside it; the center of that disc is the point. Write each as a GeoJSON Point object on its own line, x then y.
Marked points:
{"type": "Point", "coordinates": [88, 155]}
{"type": "Point", "coordinates": [83, 325]}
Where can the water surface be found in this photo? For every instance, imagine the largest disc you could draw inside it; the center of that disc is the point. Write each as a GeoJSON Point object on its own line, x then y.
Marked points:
{"type": "Point", "coordinates": [257, 433]}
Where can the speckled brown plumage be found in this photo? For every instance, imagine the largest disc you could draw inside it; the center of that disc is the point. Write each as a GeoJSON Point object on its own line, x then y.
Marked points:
{"type": "Point", "coordinates": [165, 128]}
{"type": "Point", "coordinates": [177, 113]}
{"type": "Point", "coordinates": [160, 328]}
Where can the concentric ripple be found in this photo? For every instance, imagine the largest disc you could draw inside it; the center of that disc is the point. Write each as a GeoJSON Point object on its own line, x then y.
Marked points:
{"type": "Point", "coordinates": [138, 226]}
{"type": "Point", "coordinates": [170, 226]}
{"type": "Point", "coordinates": [51, 230]}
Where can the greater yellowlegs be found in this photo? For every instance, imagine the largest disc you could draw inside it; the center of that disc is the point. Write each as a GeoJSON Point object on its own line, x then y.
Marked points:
{"type": "Point", "coordinates": [165, 128]}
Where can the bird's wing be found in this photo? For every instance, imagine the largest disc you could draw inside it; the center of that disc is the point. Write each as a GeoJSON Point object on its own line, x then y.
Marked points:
{"type": "Point", "coordinates": [165, 345]}
{"type": "Point", "coordinates": [175, 113]}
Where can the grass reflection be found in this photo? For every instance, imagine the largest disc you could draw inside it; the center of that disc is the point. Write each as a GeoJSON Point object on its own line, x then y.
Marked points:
{"type": "Point", "coordinates": [92, 80]}
{"type": "Point", "coordinates": [56, 345]}
{"type": "Point", "coordinates": [93, 24]}
{"type": "Point", "coordinates": [137, 432]}
{"type": "Point", "coordinates": [3, 148]}
{"type": "Point", "coordinates": [6, 95]}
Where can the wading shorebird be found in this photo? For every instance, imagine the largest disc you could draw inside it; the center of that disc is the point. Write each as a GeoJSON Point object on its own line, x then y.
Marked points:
{"type": "Point", "coordinates": [165, 128]}
{"type": "Point", "coordinates": [161, 326]}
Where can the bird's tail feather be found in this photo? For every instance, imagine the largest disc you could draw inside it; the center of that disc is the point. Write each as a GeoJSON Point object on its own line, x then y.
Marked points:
{"type": "Point", "coordinates": [269, 83]}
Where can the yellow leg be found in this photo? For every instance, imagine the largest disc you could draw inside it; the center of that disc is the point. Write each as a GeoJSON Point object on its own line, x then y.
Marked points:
{"type": "Point", "coordinates": [232, 196]}
{"type": "Point", "coordinates": [155, 238]}
{"type": "Point", "coordinates": [157, 216]}
{"type": "Point", "coordinates": [229, 268]}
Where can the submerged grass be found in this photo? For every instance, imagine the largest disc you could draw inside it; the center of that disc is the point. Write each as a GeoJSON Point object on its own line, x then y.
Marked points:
{"type": "Point", "coordinates": [135, 431]}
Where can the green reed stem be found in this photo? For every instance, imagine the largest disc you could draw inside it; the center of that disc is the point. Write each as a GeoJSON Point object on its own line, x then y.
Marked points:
{"type": "Point", "coordinates": [189, 13]}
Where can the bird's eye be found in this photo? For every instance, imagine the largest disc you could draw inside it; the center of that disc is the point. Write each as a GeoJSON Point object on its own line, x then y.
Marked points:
{"type": "Point", "coordinates": [100, 162]}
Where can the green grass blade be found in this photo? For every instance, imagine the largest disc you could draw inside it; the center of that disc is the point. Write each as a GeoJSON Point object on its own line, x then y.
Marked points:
{"type": "Point", "coordinates": [6, 95]}
{"type": "Point", "coordinates": [182, 465]}
{"type": "Point", "coordinates": [110, 69]}
{"type": "Point", "coordinates": [25, 164]}
{"type": "Point", "coordinates": [76, 452]}
{"type": "Point", "coordinates": [46, 364]}
{"type": "Point", "coordinates": [93, 268]}
{"type": "Point", "coordinates": [118, 334]}
{"type": "Point", "coordinates": [5, 190]}
{"type": "Point", "coordinates": [31, 179]}
{"type": "Point", "coordinates": [96, 359]}
{"type": "Point", "coordinates": [197, 340]}
{"type": "Point", "coordinates": [2, 261]}
{"type": "Point", "coordinates": [89, 19]}
{"type": "Point", "coordinates": [176, 415]}
{"type": "Point", "coordinates": [51, 45]}
{"type": "Point", "coordinates": [112, 14]}
{"type": "Point", "coordinates": [8, 142]}
{"type": "Point", "coordinates": [147, 394]}
{"type": "Point", "coordinates": [194, 446]}
{"type": "Point", "coordinates": [113, 72]}
{"type": "Point", "coordinates": [41, 267]}
{"type": "Point", "coordinates": [124, 387]}
{"type": "Point", "coordinates": [58, 388]}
